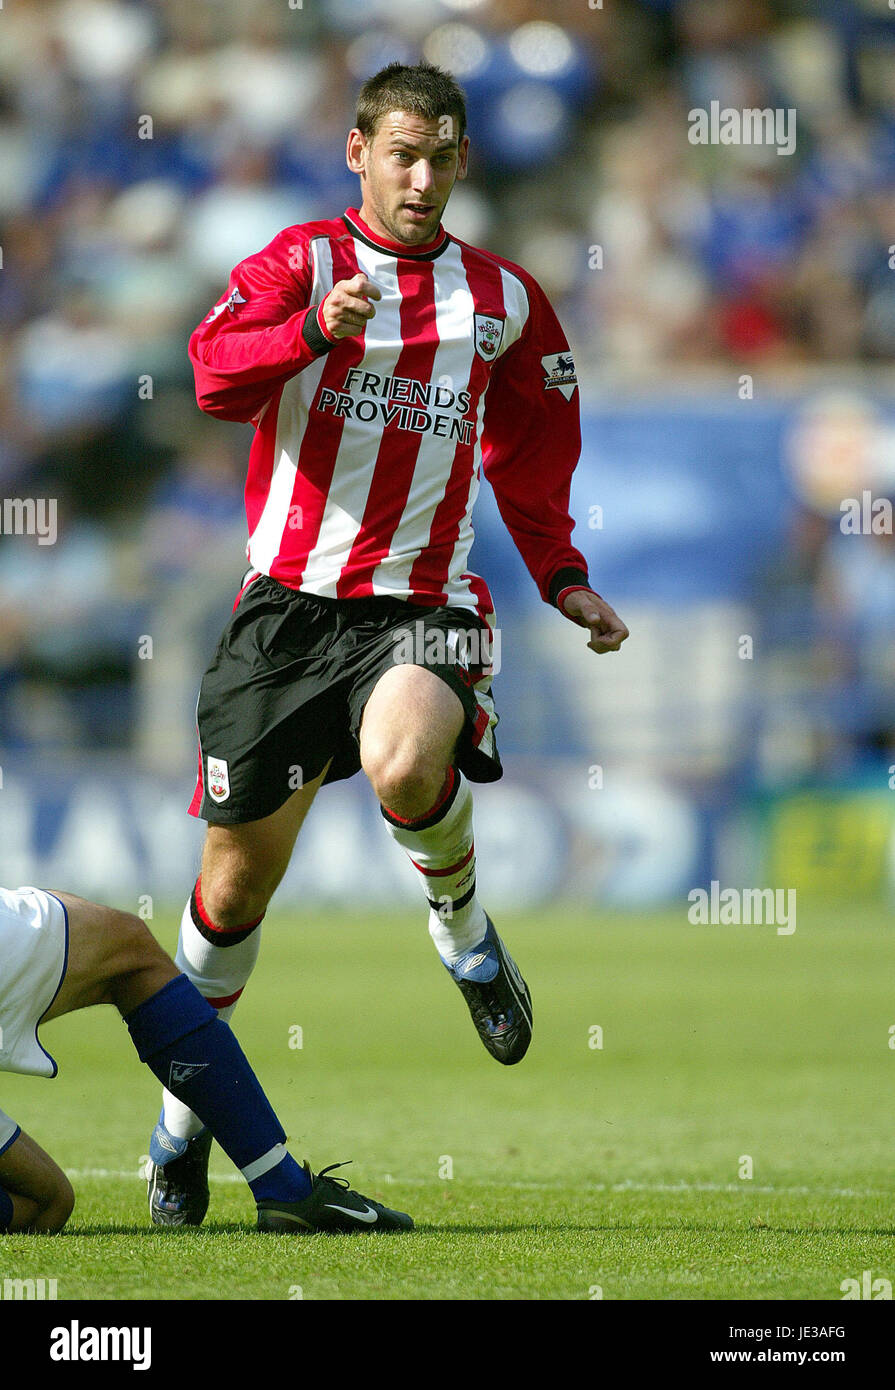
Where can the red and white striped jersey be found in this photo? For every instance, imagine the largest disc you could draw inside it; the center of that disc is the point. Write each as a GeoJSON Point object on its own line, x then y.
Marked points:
{"type": "Point", "coordinates": [368, 450]}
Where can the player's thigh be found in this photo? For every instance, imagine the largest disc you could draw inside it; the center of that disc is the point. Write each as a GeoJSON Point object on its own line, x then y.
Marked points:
{"type": "Point", "coordinates": [28, 1172]}
{"type": "Point", "coordinates": [105, 945]}
{"type": "Point", "coordinates": [411, 717]}
{"type": "Point", "coordinates": [256, 854]}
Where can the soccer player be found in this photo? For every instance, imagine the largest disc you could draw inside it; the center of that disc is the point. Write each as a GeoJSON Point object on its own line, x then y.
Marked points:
{"type": "Point", "coordinates": [384, 364]}
{"type": "Point", "coordinates": [60, 953]}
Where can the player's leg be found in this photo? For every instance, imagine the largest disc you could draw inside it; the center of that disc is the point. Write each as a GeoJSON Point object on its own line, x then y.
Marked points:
{"type": "Point", "coordinates": [35, 1194]}
{"type": "Point", "coordinates": [408, 737]}
{"type": "Point", "coordinates": [243, 864]}
{"type": "Point", "coordinates": [220, 931]}
{"type": "Point", "coordinates": [409, 732]}
{"type": "Point", "coordinates": [220, 936]}
{"type": "Point", "coordinates": [241, 868]}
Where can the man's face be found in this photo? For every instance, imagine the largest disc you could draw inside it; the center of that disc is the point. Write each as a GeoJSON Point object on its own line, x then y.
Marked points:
{"type": "Point", "coordinates": [407, 172]}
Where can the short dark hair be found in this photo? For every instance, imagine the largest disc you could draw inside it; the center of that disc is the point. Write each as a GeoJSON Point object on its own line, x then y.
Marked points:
{"type": "Point", "coordinates": [424, 90]}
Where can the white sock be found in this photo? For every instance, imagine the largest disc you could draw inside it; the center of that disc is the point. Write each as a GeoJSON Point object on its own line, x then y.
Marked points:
{"type": "Point", "coordinates": [220, 973]}
{"type": "Point", "coordinates": [440, 846]}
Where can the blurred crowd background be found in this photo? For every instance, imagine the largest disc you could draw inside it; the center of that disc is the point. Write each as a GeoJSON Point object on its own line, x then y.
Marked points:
{"type": "Point", "coordinates": [732, 311]}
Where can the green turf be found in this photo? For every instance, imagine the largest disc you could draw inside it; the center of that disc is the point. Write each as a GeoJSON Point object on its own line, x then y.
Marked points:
{"type": "Point", "coordinates": [615, 1167]}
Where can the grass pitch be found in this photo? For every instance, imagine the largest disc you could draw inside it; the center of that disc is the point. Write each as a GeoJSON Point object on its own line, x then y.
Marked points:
{"type": "Point", "coordinates": [614, 1171]}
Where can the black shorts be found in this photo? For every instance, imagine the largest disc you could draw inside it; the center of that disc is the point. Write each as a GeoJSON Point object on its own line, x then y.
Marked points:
{"type": "Point", "coordinates": [287, 686]}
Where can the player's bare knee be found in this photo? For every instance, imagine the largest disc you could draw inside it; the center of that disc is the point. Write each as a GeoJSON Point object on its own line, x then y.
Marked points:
{"type": "Point", "coordinates": [136, 947]}
{"type": "Point", "coordinates": [138, 967]}
{"type": "Point", "coordinates": [402, 779]}
{"type": "Point", "coordinates": [233, 900]}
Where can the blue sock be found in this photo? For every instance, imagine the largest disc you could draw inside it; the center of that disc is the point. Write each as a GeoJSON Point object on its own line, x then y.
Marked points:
{"type": "Point", "coordinates": [180, 1037]}
{"type": "Point", "coordinates": [5, 1210]}
{"type": "Point", "coordinates": [272, 1184]}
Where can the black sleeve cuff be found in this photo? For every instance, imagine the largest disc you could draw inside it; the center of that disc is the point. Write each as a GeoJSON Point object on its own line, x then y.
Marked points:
{"type": "Point", "coordinates": [313, 335]}
{"type": "Point", "coordinates": [562, 579]}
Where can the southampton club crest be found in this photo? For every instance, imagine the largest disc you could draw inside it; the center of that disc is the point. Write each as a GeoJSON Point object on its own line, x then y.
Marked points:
{"type": "Point", "coordinates": [559, 373]}
{"type": "Point", "coordinates": [488, 336]}
{"type": "Point", "coordinates": [218, 781]}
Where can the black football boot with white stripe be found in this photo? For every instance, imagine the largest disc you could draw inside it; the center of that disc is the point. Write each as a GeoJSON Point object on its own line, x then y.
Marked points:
{"type": "Point", "coordinates": [331, 1206]}
{"type": "Point", "coordinates": [497, 997]}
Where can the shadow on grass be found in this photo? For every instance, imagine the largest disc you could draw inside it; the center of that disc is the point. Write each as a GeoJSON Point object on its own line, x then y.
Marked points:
{"type": "Point", "coordinates": [209, 1228]}
{"type": "Point", "coordinates": [227, 1228]}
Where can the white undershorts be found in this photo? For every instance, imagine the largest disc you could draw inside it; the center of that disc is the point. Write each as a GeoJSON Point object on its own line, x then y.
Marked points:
{"type": "Point", "coordinates": [33, 958]}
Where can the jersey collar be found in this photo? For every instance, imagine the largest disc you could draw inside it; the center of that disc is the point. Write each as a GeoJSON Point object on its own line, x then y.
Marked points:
{"type": "Point", "coordinates": [425, 251]}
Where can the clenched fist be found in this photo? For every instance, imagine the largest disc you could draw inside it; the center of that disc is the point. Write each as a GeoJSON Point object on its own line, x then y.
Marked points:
{"type": "Point", "coordinates": [346, 309]}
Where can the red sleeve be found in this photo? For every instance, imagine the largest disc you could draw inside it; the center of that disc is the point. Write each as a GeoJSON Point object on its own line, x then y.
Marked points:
{"type": "Point", "coordinates": [253, 340]}
{"type": "Point", "coordinates": [531, 441]}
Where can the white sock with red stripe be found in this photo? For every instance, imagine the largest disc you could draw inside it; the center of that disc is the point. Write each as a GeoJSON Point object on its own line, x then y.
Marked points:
{"type": "Point", "coordinates": [219, 964]}
{"type": "Point", "coordinates": [441, 849]}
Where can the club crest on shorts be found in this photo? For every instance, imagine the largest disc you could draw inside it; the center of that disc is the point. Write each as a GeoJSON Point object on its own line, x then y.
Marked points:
{"type": "Point", "coordinates": [218, 779]}
{"type": "Point", "coordinates": [488, 336]}
{"type": "Point", "coordinates": [559, 373]}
